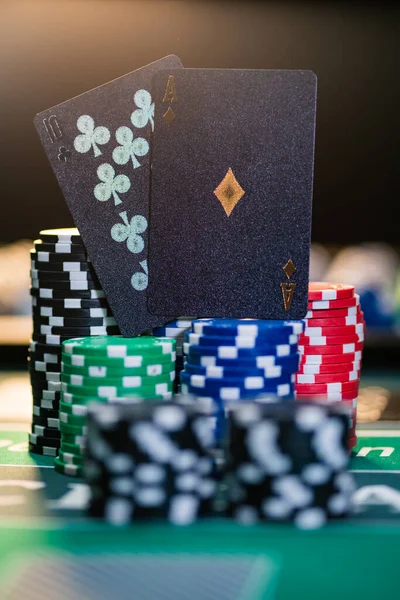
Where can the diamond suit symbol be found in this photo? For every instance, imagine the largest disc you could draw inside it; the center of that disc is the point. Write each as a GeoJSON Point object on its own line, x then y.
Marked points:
{"type": "Point", "coordinates": [169, 116]}
{"type": "Point", "coordinates": [289, 268]}
{"type": "Point", "coordinates": [229, 192]}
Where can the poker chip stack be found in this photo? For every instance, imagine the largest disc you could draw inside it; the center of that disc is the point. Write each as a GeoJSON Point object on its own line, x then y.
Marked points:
{"type": "Point", "coordinates": [235, 359]}
{"type": "Point", "coordinates": [106, 369]}
{"type": "Point", "coordinates": [331, 348]}
{"type": "Point", "coordinates": [176, 330]}
{"type": "Point", "coordinates": [148, 461]}
{"type": "Point", "coordinates": [67, 302]}
{"type": "Point", "coordinates": [288, 461]}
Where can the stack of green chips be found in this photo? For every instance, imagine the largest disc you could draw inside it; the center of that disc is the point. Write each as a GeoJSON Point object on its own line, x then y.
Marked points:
{"type": "Point", "coordinates": [106, 369]}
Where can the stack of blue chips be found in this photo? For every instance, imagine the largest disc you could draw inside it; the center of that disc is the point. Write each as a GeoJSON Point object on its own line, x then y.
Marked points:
{"type": "Point", "coordinates": [230, 360]}
{"type": "Point", "coordinates": [176, 330]}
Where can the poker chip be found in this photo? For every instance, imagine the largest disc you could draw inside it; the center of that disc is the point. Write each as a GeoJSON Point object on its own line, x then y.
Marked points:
{"type": "Point", "coordinates": [63, 303]}
{"type": "Point", "coordinates": [233, 352]}
{"type": "Point", "coordinates": [331, 397]}
{"type": "Point", "coordinates": [105, 372]}
{"type": "Point", "coordinates": [44, 251]}
{"type": "Point", "coordinates": [77, 450]}
{"type": "Point", "coordinates": [247, 327]}
{"type": "Point", "coordinates": [71, 470]}
{"type": "Point", "coordinates": [332, 322]}
{"type": "Point", "coordinates": [332, 340]}
{"type": "Point", "coordinates": [39, 440]}
{"type": "Point", "coordinates": [335, 313]}
{"type": "Point", "coordinates": [58, 293]}
{"type": "Point", "coordinates": [133, 479]}
{"type": "Point", "coordinates": [68, 458]}
{"type": "Point", "coordinates": [239, 341]}
{"type": "Point", "coordinates": [45, 421]}
{"type": "Point", "coordinates": [46, 432]}
{"type": "Point", "coordinates": [339, 368]}
{"type": "Point", "coordinates": [327, 387]}
{"type": "Point", "coordinates": [119, 362]}
{"type": "Point", "coordinates": [272, 373]}
{"type": "Point", "coordinates": [285, 465]}
{"type": "Point", "coordinates": [62, 277]}
{"type": "Point", "coordinates": [328, 377]}
{"type": "Point", "coordinates": [314, 331]}
{"type": "Point", "coordinates": [74, 409]}
{"type": "Point", "coordinates": [128, 381]}
{"type": "Point", "coordinates": [334, 304]}
{"type": "Point", "coordinates": [327, 359]}
{"type": "Point", "coordinates": [336, 349]}
{"type": "Point", "coordinates": [67, 303]}
{"type": "Point", "coordinates": [73, 430]}
{"type": "Point", "coordinates": [329, 291]}
{"type": "Point", "coordinates": [105, 390]}
{"type": "Point", "coordinates": [69, 286]}
{"type": "Point", "coordinates": [71, 419]}
{"type": "Point", "coordinates": [59, 321]}
{"type": "Point", "coordinates": [65, 235]}
{"type": "Point", "coordinates": [287, 363]}
{"type": "Point", "coordinates": [64, 332]}
{"type": "Point", "coordinates": [43, 450]}
{"type": "Point", "coordinates": [119, 347]}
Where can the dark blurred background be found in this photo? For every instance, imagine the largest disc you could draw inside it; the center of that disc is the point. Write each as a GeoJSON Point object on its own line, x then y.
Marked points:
{"type": "Point", "coordinates": [53, 50]}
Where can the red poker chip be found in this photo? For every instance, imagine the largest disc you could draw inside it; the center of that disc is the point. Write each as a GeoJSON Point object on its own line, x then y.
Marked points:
{"type": "Point", "coordinates": [329, 369]}
{"type": "Point", "coordinates": [335, 349]}
{"type": "Point", "coordinates": [313, 330]}
{"type": "Point", "coordinates": [327, 377]}
{"type": "Point", "coordinates": [335, 313]}
{"type": "Point", "coordinates": [326, 388]}
{"type": "Point", "coordinates": [318, 290]}
{"type": "Point", "coordinates": [329, 359]}
{"type": "Point", "coordinates": [350, 321]}
{"type": "Point", "coordinates": [331, 397]}
{"type": "Point", "coordinates": [331, 340]}
{"type": "Point", "coordinates": [332, 304]}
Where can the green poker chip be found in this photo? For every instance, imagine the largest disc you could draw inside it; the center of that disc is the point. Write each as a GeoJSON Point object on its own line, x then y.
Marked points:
{"type": "Point", "coordinates": [125, 381]}
{"type": "Point", "coordinates": [74, 409]}
{"type": "Point", "coordinates": [76, 449]}
{"type": "Point", "coordinates": [69, 419]}
{"type": "Point", "coordinates": [127, 362]}
{"type": "Point", "coordinates": [70, 458]}
{"type": "Point", "coordinates": [113, 391]}
{"type": "Point", "coordinates": [118, 346]}
{"type": "Point", "coordinates": [65, 469]}
{"type": "Point", "coordinates": [76, 399]}
{"type": "Point", "coordinates": [98, 373]}
{"type": "Point", "coordinates": [80, 430]}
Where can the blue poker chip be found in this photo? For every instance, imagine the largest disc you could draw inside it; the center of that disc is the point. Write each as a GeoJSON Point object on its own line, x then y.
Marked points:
{"type": "Point", "coordinates": [241, 341]}
{"type": "Point", "coordinates": [235, 394]}
{"type": "Point", "coordinates": [274, 374]}
{"type": "Point", "coordinates": [288, 363]}
{"type": "Point", "coordinates": [233, 352]}
{"type": "Point", "coordinates": [234, 388]}
{"type": "Point", "coordinates": [246, 327]}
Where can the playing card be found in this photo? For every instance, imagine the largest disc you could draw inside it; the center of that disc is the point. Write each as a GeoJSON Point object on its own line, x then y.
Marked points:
{"type": "Point", "coordinates": [231, 193]}
{"type": "Point", "coordinates": [98, 145]}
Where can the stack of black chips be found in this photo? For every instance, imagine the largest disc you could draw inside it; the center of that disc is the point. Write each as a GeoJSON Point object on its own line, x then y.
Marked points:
{"type": "Point", "coordinates": [149, 461]}
{"type": "Point", "coordinates": [67, 302]}
{"type": "Point", "coordinates": [288, 462]}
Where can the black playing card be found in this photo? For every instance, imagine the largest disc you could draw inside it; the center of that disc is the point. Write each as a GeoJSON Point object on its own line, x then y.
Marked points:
{"type": "Point", "coordinates": [230, 209]}
{"type": "Point", "coordinates": [98, 145]}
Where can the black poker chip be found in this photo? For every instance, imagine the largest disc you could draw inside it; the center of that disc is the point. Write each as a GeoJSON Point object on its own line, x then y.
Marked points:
{"type": "Point", "coordinates": [63, 276]}
{"type": "Point", "coordinates": [70, 303]}
{"type": "Point", "coordinates": [67, 284]}
{"type": "Point", "coordinates": [54, 338]}
{"type": "Point", "coordinates": [39, 394]}
{"type": "Point", "coordinates": [68, 332]}
{"type": "Point", "coordinates": [45, 312]}
{"type": "Point", "coordinates": [52, 293]}
{"type": "Point", "coordinates": [47, 432]}
{"type": "Point", "coordinates": [62, 265]}
{"type": "Point", "coordinates": [38, 350]}
{"type": "Point", "coordinates": [75, 251]}
{"type": "Point", "coordinates": [51, 422]}
{"type": "Point", "coordinates": [44, 377]}
{"type": "Point", "coordinates": [53, 405]}
{"type": "Point", "coordinates": [43, 450]}
{"type": "Point", "coordinates": [39, 366]}
{"type": "Point", "coordinates": [44, 413]}
{"type": "Point", "coordinates": [41, 440]}
{"type": "Point", "coordinates": [63, 235]}
{"type": "Point", "coordinates": [74, 322]}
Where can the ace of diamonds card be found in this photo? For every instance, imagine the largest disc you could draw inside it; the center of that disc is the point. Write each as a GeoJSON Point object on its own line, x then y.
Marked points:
{"type": "Point", "coordinates": [231, 193]}
{"type": "Point", "coordinates": [98, 145]}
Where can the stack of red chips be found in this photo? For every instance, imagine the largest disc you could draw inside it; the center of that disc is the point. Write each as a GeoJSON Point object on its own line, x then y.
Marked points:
{"type": "Point", "coordinates": [331, 348]}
